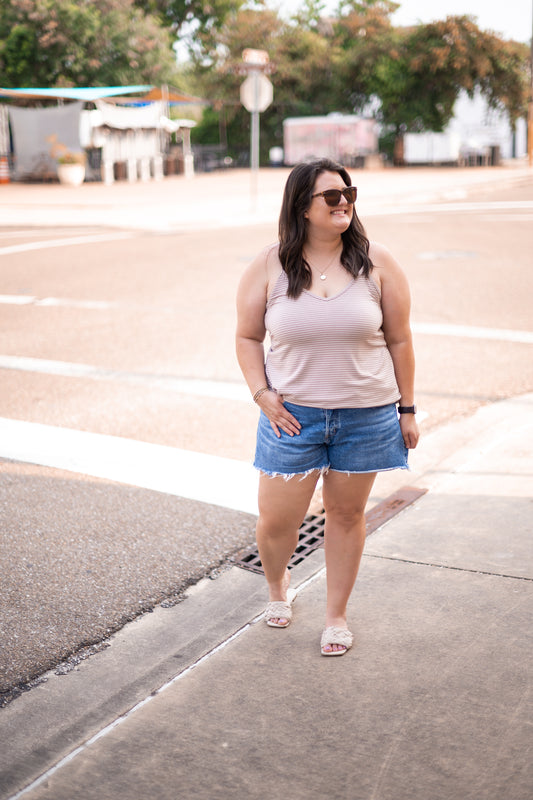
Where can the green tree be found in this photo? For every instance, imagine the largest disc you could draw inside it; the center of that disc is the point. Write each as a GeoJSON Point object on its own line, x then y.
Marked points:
{"type": "Point", "coordinates": [410, 77]}
{"type": "Point", "coordinates": [179, 13]}
{"type": "Point", "coordinates": [194, 23]}
{"type": "Point", "coordinates": [364, 37]}
{"type": "Point", "coordinates": [301, 57]}
{"type": "Point", "coordinates": [219, 74]}
{"type": "Point", "coordinates": [506, 84]}
{"type": "Point", "coordinates": [309, 14]}
{"type": "Point", "coordinates": [415, 74]}
{"type": "Point", "coordinates": [64, 43]}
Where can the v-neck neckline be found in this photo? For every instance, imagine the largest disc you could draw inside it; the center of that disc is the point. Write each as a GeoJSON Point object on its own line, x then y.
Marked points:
{"type": "Point", "coordinates": [333, 296]}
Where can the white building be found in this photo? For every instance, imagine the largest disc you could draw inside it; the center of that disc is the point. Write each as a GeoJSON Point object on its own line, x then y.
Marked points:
{"type": "Point", "coordinates": [474, 134]}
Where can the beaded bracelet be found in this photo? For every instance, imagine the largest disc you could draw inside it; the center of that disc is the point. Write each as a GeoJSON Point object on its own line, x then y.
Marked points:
{"type": "Point", "coordinates": [259, 392]}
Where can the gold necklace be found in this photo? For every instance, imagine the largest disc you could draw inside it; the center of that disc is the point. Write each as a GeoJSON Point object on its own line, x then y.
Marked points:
{"type": "Point", "coordinates": [323, 275]}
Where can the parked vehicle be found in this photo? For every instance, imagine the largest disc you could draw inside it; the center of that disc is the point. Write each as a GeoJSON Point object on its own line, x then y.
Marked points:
{"type": "Point", "coordinates": [348, 139]}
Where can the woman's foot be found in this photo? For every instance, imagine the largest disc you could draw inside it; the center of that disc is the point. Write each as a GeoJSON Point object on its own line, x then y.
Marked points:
{"type": "Point", "coordinates": [335, 641]}
{"type": "Point", "coordinates": [278, 613]}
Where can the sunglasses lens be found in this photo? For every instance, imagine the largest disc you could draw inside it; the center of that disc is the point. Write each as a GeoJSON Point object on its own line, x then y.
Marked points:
{"type": "Point", "coordinates": [332, 196]}
{"type": "Point", "coordinates": [350, 194]}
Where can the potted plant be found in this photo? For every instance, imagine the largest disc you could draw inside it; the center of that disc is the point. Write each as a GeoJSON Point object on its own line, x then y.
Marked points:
{"type": "Point", "coordinates": [71, 168]}
{"type": "Point", "coordinates": [70, 163]}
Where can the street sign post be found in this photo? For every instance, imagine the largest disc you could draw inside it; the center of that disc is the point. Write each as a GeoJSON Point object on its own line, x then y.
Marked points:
{"type": "Point", "coordinates": [257, 92]}
{"type": "Point", "coordinates": [256, 96]}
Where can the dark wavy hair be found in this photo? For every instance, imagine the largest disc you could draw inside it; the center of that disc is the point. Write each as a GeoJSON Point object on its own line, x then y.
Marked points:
{"type": "Point", "coordinates": [293, 227]}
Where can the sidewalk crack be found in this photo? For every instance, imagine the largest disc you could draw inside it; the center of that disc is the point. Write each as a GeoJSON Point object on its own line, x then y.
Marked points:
{"type": "Point", "coordinates": [450, 567]}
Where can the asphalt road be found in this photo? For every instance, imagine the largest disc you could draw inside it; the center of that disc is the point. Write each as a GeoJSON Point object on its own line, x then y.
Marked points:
{"type": "Point", "coordinates": [126, 332]}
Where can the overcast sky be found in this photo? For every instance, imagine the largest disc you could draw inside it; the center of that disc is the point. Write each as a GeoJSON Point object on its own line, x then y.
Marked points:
{"type": "Point", "coordinates": [510, 19]}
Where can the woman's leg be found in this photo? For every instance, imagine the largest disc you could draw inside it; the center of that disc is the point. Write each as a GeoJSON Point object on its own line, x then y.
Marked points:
{"type": "Point", "coordinates": [282, 507]}
{"type": "Point", "coordinates": [345, 497]}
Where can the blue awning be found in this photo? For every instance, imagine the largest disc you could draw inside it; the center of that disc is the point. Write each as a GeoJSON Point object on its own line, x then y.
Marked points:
{"type": "Point", "coordinates": [88, 94]}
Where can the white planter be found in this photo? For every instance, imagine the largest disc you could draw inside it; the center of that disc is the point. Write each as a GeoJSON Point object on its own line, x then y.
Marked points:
{"type": "Point", "coordinates": [71, 174]}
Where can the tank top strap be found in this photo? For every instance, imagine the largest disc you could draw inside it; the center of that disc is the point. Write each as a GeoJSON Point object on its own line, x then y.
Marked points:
{"type": "Point", "coordinates": [280, 288]}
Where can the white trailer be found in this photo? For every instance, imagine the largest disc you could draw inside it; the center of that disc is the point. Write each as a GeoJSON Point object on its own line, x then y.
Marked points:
{"type": "Point", "coordinates": [431, 148]}
{"type": "Point", "coordinates": [344, 138]}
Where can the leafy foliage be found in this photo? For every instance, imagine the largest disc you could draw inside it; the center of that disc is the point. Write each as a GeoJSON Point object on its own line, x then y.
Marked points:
{"type": "Point", "coordinates": [365, 39]}
{"type": "Point", "coordinates": [179, 13]}
{"type": "Point", "coordinates": [65, 43]}
{"type": "Point", "coordinates": [357, 62]}
{"type": "Point", "coordinates": [352, 62]}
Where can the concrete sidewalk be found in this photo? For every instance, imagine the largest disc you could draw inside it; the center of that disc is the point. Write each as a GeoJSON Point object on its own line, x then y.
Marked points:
{"type": "Point", "coordinates": [233, 198]}
{"type": "Point", "coordinates": [432, 703]}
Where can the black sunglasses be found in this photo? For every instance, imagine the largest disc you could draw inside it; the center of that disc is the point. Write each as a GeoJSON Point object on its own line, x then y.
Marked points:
{"type": "Point", "coordinates": [333, 196]}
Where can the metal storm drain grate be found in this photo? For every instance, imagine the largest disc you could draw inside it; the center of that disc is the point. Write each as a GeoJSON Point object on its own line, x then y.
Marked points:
{"type": "Point", "coordinates": [310, 536]}
{"type": "Point", "coordinates": [311, 532]}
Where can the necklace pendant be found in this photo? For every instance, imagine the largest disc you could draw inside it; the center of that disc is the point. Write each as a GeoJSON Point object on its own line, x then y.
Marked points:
{"type": "Point", "coordinates": [323, 277]}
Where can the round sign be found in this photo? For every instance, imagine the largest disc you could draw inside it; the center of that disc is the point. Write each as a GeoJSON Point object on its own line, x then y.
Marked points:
{"type": "Point", "coordinates": [256, 92]}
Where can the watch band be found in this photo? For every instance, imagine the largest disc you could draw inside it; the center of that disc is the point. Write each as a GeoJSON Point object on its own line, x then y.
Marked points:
{"type": "Point", "coordinates": [406, 409]}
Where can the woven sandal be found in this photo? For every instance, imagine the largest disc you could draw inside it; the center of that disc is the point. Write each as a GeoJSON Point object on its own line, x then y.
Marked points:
{"type": "Point", "coordinates": [334, 635]}
{"type": "Point", "coordinates": [278, 609]}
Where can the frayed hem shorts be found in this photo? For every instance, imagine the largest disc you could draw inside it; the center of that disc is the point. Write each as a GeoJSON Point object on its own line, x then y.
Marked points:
{"type": "Point", "coordinates": [343, 439]}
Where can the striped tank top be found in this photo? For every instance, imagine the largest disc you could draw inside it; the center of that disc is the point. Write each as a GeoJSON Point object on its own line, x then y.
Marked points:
{"type": "Point", "coordinates": [329, 352]}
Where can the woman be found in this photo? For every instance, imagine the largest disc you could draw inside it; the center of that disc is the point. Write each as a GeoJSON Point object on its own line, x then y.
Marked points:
{"type": "Point", "coordinates": [336, 307]}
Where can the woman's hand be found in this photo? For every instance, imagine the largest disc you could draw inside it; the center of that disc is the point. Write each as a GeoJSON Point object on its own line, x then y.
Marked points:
{"type": "Point", "coordinates": [409, 429]}
{"type": "Point", "coordinates": [271, 403]}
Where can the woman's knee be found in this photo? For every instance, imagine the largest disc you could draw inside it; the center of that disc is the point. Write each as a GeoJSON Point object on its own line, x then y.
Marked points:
{"type": "Point", "coordinates": [345, 497]}
{"type": "Point", "coordinates": [345, 517]}
{"type": "Point", "coordinates": [275, 526]}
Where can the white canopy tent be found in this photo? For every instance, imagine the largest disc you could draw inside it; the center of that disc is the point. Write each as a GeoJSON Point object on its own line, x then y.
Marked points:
{"type": "Point", "coordinates": [135, 135]}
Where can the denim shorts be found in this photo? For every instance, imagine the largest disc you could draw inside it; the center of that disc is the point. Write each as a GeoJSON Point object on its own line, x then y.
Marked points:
{"type": "Point", "coordinates": [343, 439]}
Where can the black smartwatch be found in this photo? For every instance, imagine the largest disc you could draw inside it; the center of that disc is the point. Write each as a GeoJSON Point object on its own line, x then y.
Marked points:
{"type": "Point", "coordinates": [406, 409]}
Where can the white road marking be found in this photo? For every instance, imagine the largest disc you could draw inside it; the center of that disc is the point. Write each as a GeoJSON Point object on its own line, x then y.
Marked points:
{"type": "Point", "coordinates": [67, 242]}
{"type": "Point", "coordinates": [507, 217]}
{"type": "Point", "coordinates": [207, 479]}
{"type": "Point", "coordinates": [27, 233]}
{"type": "Point", "coordinates": [429, 328]}
{"type": "Point", "coordinates": [66, 302]}
{"type": "Point", "coordinates": [97, 305]}
{"type": "Point", "coordinates": [228, 390]}
{"type": "Point", "coordinates": [436, 255]}
{"type": "Point", "coordinates": [223, 390]}
{"type": "Point", "coordinates": [423, 207]}
{"type": "Point", "coordinates": [17, 299]}
{"type": "Point", "coordinates": [473, 332]}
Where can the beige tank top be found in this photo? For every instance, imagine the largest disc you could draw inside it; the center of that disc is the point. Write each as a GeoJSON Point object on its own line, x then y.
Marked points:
{"type": "Point", "coordinates": [329, 352]}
